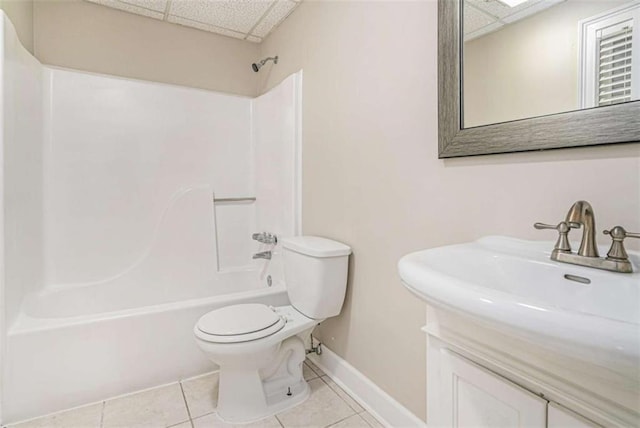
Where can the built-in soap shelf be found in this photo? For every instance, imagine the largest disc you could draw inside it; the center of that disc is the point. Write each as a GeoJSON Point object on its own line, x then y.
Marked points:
{"type": "Point", "coordinates": [235, 220]}
{"type": "Point", "coordinates": [234, 199]}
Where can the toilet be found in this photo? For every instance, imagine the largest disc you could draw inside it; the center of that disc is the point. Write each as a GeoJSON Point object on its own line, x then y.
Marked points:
{"type": "Point", "coordinates": [261, 349]}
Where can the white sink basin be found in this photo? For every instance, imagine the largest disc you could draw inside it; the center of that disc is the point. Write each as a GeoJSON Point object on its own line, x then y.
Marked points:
{"type": "Point", "coordinates": [514, 286]}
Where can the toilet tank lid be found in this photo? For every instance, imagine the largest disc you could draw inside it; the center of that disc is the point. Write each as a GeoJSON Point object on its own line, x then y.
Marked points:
{"type": "Point", "coordinates": [315, 246]}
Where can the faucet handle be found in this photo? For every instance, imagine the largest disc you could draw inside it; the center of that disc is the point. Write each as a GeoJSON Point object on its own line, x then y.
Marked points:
{"type": "Point", "coordinates": [265, 238]}
{"type": "Point", "coordinates": [617, 251]}
{"type": "Point", "coordinates": [563, 228]}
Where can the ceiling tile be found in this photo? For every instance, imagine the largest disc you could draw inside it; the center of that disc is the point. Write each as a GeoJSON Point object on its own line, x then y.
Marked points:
{"type": "Point", "coordinates": [275, 16]}
{"type": "Point", "coordinates": [475, 19]}
{"type": "Point", "coordinates": [205, 27]}
{"type": "Point", "coordinates": [499, 10]}
{"type": "Point", "coordinates": [157, 5]}
{"type": "Point", "coordinates": [501, 14]}
{"type": "Point", "coordinates": [482, 31]}
{"type": "Point", "coordinates": [233, 18]}
{"type": "Point", "coordinates": [237, 15]}
{"type": "Point", "coordinates": [130, 8]}
{"type": "Point", "coordinates": [532, 10]}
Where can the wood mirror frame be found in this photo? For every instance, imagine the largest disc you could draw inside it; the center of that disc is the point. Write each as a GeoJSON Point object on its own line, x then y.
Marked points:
{"type": "Point", "coordinates": [613, 124]}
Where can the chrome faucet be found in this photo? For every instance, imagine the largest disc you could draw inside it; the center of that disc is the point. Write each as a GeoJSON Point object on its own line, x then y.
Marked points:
{"type": "Point", "coordinates": [263, 255]}
{"type": "Point", "coordinates": [582, 213]}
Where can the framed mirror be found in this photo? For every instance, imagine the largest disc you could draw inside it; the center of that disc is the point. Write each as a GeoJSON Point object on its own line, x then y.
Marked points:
{"type": "Point", "coordinates": [498, 96]}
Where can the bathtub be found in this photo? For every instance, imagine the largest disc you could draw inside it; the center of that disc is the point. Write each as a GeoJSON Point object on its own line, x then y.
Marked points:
{"type": "Point", "coordinates": [77, 345]}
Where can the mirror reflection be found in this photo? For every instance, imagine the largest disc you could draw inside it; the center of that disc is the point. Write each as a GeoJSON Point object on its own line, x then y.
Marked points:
{"type": "Point", "coordinates": [529, 58]}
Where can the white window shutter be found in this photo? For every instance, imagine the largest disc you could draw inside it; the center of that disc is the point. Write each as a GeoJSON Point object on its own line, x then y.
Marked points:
{"type": "Point", "coordinates": [614, 76]}
{"type": "Point", "coordinates": [610, 57]}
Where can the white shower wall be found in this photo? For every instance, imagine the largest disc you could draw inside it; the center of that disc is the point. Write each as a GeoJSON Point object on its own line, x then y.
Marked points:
{"type": "Point", "coordinates": [121, 158]}
{"type": "Point", "coordinates": [278, 157]}
{"type": "Point", "coordinates": [21, 236]}
{"type": "Point", "coordinates": [111, 244]}
{"type": "Point", "coordinates": [277, 162]}
{"type": "Point", "coordinates": [21, 172]}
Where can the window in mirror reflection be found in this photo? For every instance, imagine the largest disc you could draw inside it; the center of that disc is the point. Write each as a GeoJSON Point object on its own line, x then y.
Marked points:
{"type": "Point", "coordinates": [608, 74]}
{"type": "Point", "coordinates": [541, 57]}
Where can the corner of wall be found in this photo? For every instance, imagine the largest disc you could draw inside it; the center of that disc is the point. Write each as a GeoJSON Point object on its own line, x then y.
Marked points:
{"type": "Point", "coordinates": [80, 35]}
{"type": "Point", "coordinates": [20, 13]}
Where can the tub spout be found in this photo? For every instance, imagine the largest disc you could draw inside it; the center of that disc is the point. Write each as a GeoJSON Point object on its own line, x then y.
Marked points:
{"type": "Point", "coordinates": [263, 255]}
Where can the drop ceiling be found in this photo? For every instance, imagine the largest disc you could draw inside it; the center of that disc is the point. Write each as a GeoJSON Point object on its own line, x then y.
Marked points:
{"type": "Point", "coordinates": [485, 16]}
{"type": "Point", "coordinates": [250, 20]}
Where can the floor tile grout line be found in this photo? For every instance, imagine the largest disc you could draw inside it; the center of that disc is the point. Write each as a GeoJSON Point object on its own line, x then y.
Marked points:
{"type": "Point", "coordinates": [214, 413]}
{"type": "Point", "coordinates": [206, 414]}
{"type": "Point", "coordinates": [324, 378]}
{"type": "Point", "coordinates": [366, 421]}
{"type": "Point", "coordinates": [346, 393]}
{"type": "Point", "coordinates": [361, 412]}
{"type": "Point", "coordinates": [378, 423]}
{"type": "Point", "coordinates": [200, 376]}
{"type": "Point", "coordinates": [316, 375]}
{"type": "Point", "coordinates": [317, 369]}
{"type": "Point", "coordinates": [184, 398]}
{"type": "Point", "coordinates": [50, 415]}
{"type": "Point", "coordinates": [344, 419]}
{"type": "Point", "coordinates": [343, 400]}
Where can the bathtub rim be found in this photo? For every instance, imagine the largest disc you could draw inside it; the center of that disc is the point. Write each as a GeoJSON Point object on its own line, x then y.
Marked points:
{"type": "Point", "coordinates": [25, 324]}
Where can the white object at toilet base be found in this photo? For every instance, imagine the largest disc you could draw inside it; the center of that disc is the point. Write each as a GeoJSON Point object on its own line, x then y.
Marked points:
{"type": "Point", "coordinates": [246, 396]}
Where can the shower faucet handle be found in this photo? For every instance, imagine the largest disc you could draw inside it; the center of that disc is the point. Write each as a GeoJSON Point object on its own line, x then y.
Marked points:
{"type": "Point", "coordinates": [265, 238]}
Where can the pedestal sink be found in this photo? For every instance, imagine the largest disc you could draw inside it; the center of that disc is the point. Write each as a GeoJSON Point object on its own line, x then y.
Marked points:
{"type": "Point", "coordinates": [568, 333]}
{"type": "Point", "coordinates": [512, 284]}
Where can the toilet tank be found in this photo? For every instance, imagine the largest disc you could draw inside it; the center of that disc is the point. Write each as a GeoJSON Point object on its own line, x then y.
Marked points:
{"type": "Point", "coordinates": [315, 273]}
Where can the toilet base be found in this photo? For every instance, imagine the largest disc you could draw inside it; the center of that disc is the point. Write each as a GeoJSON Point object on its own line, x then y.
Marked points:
{"type": "Point", "coordinates": [249, 395]}
{"type": "Point", "coordinates": [276, 403]}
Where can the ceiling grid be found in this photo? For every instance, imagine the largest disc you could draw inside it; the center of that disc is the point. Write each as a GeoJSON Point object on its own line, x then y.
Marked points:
{"type": "Point", "coordinates": [485, 16]}
{"type": "Point", "coordinates": [250, 20]}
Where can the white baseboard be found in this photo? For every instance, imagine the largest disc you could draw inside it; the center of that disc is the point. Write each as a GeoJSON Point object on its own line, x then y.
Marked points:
{"type": "Point", "coordinates": [369, 395]}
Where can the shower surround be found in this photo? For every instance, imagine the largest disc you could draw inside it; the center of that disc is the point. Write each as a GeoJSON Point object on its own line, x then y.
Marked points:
{"type": "Point", "coordinates": [112, 244]}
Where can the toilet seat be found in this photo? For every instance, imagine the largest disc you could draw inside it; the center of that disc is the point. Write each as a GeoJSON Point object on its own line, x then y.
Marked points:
{"type": "Point", "coordinates": [240, 323]}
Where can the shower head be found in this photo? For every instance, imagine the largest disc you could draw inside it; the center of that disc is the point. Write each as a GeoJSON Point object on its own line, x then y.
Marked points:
{"type": "Point", "coordinates": [256, 66]}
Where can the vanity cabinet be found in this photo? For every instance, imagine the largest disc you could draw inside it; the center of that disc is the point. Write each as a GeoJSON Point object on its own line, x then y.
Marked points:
{"type": "Point", "coordinates": [480, 377]}
{"type": "Point", "coordinates": [472, 396]}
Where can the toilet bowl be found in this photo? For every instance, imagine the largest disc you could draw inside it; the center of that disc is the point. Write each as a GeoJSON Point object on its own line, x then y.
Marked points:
{"type": "Point", "coordinates": [259, 376]}
{"type": "Point", "coordinates": [260, 349]}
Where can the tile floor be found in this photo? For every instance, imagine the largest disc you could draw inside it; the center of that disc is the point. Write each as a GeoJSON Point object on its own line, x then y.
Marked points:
{"type": "Point", "coordinates": [191, 404]}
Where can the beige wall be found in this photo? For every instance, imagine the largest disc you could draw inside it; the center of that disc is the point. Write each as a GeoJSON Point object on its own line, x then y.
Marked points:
{"type": "Point", "coordinates": [371, 176]}
{"type": "Point", "coordinates": [529, 68]}
{"type": "Point", "coordinates": [85, 36]}
{"type": "Point", "coordinates": [20, 13]}
{"type": "Point", "coordinates": [372, 179]}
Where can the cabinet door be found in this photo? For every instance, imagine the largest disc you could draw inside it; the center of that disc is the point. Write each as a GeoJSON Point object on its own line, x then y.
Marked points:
{"type": "Point", "coordinates": [474, 397]}
{"type": "Point", "coordinates": [559, 417]}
